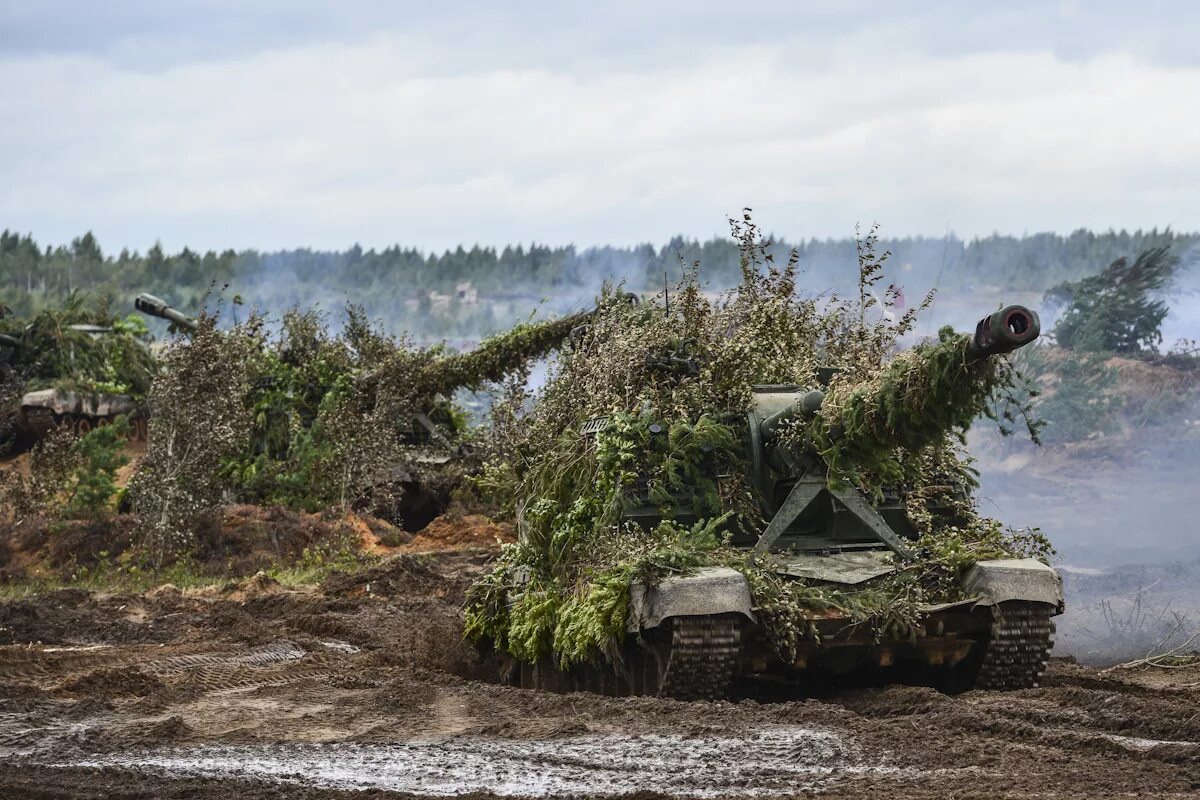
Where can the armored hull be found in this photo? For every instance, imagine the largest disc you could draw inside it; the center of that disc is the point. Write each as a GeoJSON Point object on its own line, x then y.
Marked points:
{"type": "Point", "coordinates": [42, 410]}
{"type": "Point", "coordinates": [691, 637]}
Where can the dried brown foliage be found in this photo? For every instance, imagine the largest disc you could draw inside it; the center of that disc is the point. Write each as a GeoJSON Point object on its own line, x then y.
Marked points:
{"type": "Point", "coordinates": [198, 420]}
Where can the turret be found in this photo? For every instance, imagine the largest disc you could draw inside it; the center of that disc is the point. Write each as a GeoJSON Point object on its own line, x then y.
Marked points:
{"type": "Point", "coordinates": [1006, 330]}
{"type": "Point", "coordinates": [919, 396]}
{"type": "Point", "coordinates": [156, 307]}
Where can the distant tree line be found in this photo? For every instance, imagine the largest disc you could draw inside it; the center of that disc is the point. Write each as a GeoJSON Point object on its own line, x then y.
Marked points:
{"type": "Point", "coordinates": [396, 283]}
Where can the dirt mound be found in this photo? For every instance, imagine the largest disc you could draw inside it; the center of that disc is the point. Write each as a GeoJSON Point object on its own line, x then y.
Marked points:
{"type": "Point", "coordinates": [78, 617]}
{"type": "Point", "coordinates": [1137, 377]}
{"type": "Point", "coordinates": [235, 541]}
{"type": "Point", "coordinates": [243, 539]}
{"type": "Point", "coordinates": [107, 683]}
{"type": "Point", "coordinates": [447, 532]}
{"type": "Point", "coordinates": [470, 530]}
{"type": "Point", "coordinates": [410, 575]}
{"type": "Point", "coordinates": [38, 546]}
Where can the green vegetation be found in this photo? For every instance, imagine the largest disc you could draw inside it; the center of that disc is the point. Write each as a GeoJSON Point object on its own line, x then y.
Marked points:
{"type": "Point", "coordinates": [310, 419]}
{"type": "Point", "coordinates": [93, 481]}
{"type": "Point", "coordinates": [1116, 311]}
{"type": "Point", "coordinates": [1112, 322]}
{"type": "Point", "coordinates": [70, 477]}
{"type": "Point", "coordinates": [79, 346]}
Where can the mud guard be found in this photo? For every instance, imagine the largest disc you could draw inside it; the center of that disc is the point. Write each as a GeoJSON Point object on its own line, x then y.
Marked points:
{"type": "Point", "coordinates": [707, 591]}
{"type": "Point", "coordinates": [1003, 580]}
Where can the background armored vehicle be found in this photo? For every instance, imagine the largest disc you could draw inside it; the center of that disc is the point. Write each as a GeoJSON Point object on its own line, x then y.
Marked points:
{"type": "Point", "coordinates": [439, 452]}
{"type": "Point", "coordinates": [81, 374]}
{"type": "Point", "coordinates": [689, 635]}
{"type": "Point", "coordinates": [308, 390]}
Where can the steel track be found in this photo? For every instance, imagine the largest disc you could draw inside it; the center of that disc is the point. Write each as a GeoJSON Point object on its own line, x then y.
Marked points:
{"type": "Point", "coordinates": [1018, 650]}
{"type": "Point", "coordinates": [703, 656]}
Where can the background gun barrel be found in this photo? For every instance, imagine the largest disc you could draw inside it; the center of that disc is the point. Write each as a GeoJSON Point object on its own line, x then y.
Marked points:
{"type": "Point", "coordinates": [157, 307]}
{"type": "Point", "coordinates": [1004, 331]}
{"type": "Point", "coordinates": [805, 407]}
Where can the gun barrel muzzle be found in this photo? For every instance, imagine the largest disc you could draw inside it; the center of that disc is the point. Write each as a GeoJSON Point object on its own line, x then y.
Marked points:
{"type": "Point", "coordinates": [1004, 331]}
{"type": "Point", "coordinates": [157, 307]}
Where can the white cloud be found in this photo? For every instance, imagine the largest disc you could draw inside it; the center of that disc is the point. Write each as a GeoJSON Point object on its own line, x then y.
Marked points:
{"type": "Point", "coordinates": [375, 141]}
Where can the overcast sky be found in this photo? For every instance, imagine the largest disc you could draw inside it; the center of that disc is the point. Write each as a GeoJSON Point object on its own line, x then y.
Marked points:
{"type": "Point", "coordinates": [300, 123]}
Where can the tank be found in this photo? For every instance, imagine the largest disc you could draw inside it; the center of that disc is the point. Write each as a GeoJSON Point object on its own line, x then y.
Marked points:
{"type": "Point", "coordinates": [433, 435]}
{"type": "Point", "coordinates": [63, 369]}
{"type": "Point", "coordinates": [695, 634]}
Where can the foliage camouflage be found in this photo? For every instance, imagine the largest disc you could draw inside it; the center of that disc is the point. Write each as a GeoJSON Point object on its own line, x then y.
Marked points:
{"type": "Point", "coordinates": [70, 477]}
{"type": "Point", "coordinates": [675, 384]}
{"type": "Point", "coordinates": [199, 421]}
{"type": "Point", "coordinates": [312, 419]}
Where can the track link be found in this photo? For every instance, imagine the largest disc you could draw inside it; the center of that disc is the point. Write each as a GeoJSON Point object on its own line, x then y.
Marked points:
{"type": "Point", "coordinates": [704, 653]}
{"type": "Point", "coordinates": [1018, 649]}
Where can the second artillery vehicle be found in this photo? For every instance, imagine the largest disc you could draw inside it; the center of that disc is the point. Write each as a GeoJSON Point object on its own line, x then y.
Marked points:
{"type": "Point", "coordinates": [435, 448]}
{"type": "Point", "coordinates": [77, 374]}
{"type": "Point", "coordinates": [690, 635]}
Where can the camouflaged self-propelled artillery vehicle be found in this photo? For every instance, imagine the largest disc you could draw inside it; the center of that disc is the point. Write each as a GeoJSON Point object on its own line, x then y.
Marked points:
{"type": "Point", "coordinates": [69, 400]}
{"type": "Point", "coordinates": [433, 434]}
{"type": "Point", "coordinates": [689, 636]}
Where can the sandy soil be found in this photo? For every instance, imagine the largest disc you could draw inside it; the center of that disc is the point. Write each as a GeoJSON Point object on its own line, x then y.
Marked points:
{"type": "Point", "coordinates": [363, 688]}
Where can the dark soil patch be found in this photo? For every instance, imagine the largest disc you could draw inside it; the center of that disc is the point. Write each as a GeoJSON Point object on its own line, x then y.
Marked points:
{"type": "Point", "coordinates": [114, 683]}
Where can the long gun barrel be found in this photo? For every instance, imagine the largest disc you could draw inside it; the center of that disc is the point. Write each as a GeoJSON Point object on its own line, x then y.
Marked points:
{"type": "Point", "coordinates": [1002, 332]}
{"type": "Point", "coordinates": [156, 307]}
{"type": "Point", "coordinates": [500, 355]}
{"type": "Point", "coordinates": [806, 406]}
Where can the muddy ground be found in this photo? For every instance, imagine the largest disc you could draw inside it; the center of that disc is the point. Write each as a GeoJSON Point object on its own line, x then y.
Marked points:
{"type": "Point", "coordinates": [362, 687]}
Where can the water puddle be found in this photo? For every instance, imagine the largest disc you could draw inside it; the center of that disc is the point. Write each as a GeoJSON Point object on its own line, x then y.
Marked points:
{"type": "Point", "coordinates": [1140, 744]}
{"type": "Point", "coordinates": [766, 762]}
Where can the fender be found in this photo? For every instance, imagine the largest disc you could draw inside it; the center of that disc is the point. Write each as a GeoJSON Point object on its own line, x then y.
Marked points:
{"type": "Point", "coordinates": [1006, 579]}
{"type": "Point", "coordinates": [709, 590]}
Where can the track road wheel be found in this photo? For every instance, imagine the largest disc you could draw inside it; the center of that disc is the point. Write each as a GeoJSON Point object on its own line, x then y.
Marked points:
{"type": "Point", "coordinates": [703, 656]}
{"type": "Point", "coordinates": [1018, 649]}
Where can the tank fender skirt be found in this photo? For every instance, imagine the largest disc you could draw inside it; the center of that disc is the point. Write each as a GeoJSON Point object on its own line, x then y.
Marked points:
{"type": "Point", "coordinates": [708, 590]}
{"type": "Point", "coordinates": [1002, 580]}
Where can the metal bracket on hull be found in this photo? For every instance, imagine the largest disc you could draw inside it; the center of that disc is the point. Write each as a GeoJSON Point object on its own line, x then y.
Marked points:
{"type": "Point", "coordinates": [857, 505]}
{"type": "Point", "coordinates": [802, 496]}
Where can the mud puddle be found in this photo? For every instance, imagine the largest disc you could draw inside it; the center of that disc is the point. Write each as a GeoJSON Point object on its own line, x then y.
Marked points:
{"type": "Point", "coordinates": [767, 762]}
